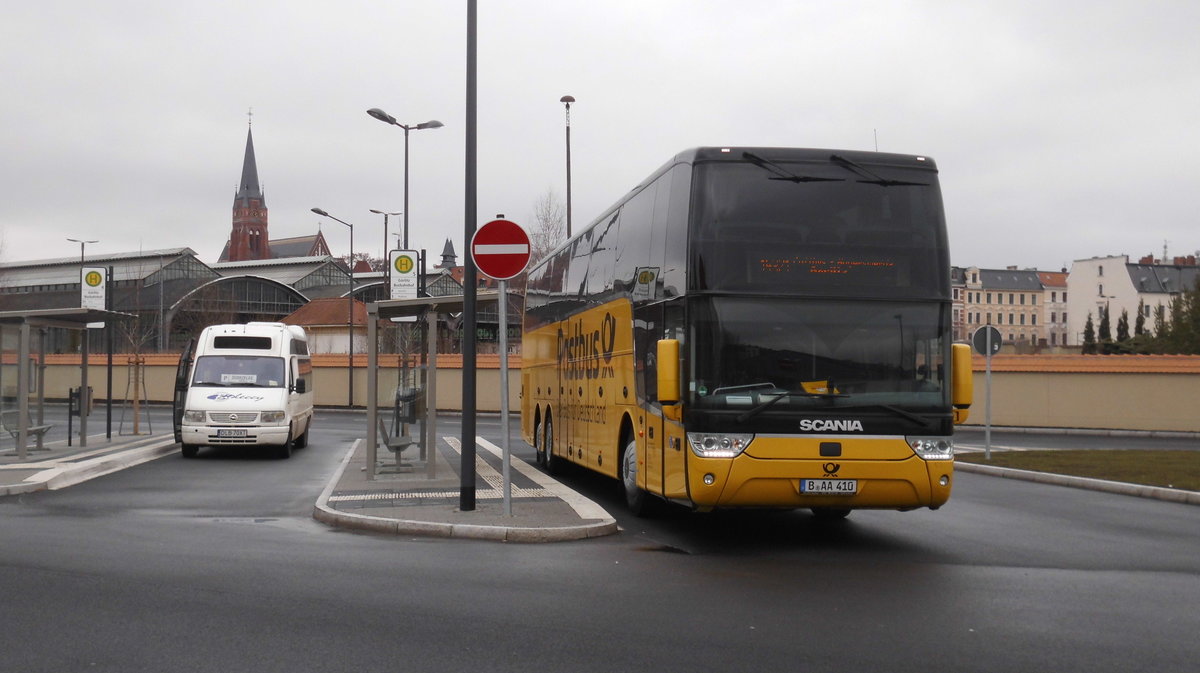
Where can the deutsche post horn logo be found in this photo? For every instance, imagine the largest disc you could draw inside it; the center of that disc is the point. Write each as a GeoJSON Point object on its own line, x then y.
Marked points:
{"type": "Point", "coordinates": [93, 279]}
{"type": "Point", "coordinates": [831, 468]}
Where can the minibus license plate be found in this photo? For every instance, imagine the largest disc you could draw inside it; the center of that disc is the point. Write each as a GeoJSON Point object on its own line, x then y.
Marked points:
{"type": "Point", "coordinates": [231, 433]}
{"type": "Point", "coordinates": [829, 486]}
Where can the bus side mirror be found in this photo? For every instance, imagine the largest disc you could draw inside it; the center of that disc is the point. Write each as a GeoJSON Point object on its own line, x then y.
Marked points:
{"type": "Point", "coordinates": [300, 388]}
{"type": "Point", "coordinates": [668, 375]}
{"type": "Point", "coordinates": [962, 385]}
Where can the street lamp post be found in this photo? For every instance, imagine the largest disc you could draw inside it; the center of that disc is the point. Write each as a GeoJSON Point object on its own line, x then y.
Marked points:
{"type": "Point", "coordinates": [385, 231]}
{"type": "Point", "coordinates": [349, 311]}
{"type": "Point", "coordinates": [567, 100]}
{"type": "Point", "coordinates": [389, 119]}
{"type": "Point", "coordinates": [81, 243]}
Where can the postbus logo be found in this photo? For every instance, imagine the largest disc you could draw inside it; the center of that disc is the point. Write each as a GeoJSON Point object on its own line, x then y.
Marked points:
{"type": "Point", "coordinates": [583, 354]}
{"type": "Point", "coordinates": [404, 263]}
{"type": "Point", "coordinates": [93, 279]}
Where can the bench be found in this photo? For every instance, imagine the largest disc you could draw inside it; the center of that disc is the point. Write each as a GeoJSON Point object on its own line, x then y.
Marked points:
{"type": "Point", "coordinates": [11, 421]}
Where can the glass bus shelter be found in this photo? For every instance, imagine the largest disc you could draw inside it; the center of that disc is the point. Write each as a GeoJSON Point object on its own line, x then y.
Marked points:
{"type": "Point", "coordinates": [20, 420]}
{"type": "Point", "coordinates": [415, 397]}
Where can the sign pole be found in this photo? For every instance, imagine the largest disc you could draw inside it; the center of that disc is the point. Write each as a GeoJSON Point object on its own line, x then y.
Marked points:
{"type": "Point", "coordinates": [500, 250]}
{"type": "Point", "coordinates": [504, 396]}
{"type": "Point", "coordinates": [987, 408]}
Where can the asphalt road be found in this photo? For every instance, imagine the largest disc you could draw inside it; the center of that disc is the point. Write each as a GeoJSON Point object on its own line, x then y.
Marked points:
{"type": "Point", "coordinates": [215, 565]}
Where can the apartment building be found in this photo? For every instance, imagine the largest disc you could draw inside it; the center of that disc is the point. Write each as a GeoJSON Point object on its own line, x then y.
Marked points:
{"type": "Point", "coordinates": [1116, 284]}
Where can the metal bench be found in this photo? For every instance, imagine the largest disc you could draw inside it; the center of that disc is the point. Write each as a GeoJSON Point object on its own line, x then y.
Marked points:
{"type": "Point", "coordinates": [11, 420]}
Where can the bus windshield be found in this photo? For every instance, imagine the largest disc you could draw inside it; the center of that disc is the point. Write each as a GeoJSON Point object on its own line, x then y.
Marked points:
{"type": "Point", "coordinates": [830, 229]}
{"type": "Point", "coordinates": [796, 354]}
{"type": "Point", "coordinates": [239, 371]}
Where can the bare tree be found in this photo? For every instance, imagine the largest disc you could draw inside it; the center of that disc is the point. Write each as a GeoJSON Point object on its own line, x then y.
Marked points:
{"type": "Point", "coordinates": [549, 225]}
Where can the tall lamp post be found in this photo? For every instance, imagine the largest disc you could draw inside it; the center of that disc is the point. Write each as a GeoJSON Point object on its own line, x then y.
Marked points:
{"type": "Point", "coordinates": [389, 119]}
{"type": "Point", "coordinates": [349, 310]}
{"type": "Point", "coordinates": [567, 100]}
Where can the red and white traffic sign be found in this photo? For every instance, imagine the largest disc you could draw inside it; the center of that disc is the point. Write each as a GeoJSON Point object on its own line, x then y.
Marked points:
{"type": "Point", "coordinates": [500, 249]}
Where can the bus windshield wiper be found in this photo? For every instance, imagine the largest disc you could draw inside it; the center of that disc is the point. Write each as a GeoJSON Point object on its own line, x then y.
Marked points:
{"type": "Point", "coordinates": [780, 172]}
{"type": "Point", "coordinates": [763, 406]}
{"type": "Point", "coordinates": [855, 167]}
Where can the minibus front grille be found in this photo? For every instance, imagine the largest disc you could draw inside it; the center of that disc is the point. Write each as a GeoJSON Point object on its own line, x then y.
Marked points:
{"type": "Point", "coordinates": [240, 418]}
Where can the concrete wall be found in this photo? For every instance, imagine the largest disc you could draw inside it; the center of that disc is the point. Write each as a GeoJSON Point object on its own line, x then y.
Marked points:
{"type": "Point", "coordinates": [331, 381]}
{"type": "Point", "coordinates": [1065, 391]}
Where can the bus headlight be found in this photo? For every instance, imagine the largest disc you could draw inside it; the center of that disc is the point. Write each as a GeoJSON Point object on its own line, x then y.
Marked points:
{"type": "Point", "coordinates": [271, 416]}
{"type": "Point", "coordinates": [190, 416]}
{"type": "Point", "coordinates": [706, 445]}
{"type": "Point", "coordinates": [932, 448]}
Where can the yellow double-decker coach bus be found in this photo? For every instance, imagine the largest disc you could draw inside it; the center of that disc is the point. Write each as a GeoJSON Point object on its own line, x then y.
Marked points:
{"type": "Point", "coordinates": [754, 327]}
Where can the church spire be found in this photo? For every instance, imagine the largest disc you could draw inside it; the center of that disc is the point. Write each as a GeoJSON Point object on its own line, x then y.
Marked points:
{"type": "Point", "coordinates": [249, 238]}
{"type": "Point", "coordinates": [248, 187]}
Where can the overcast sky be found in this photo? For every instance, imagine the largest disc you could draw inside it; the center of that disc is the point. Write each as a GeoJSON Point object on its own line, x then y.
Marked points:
{"type": "Point", "coordinates": [1062, 129]}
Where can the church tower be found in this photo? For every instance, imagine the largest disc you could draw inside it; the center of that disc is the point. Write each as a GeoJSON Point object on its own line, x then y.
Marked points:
{"type": "Point", "coordinates": [249, 237]}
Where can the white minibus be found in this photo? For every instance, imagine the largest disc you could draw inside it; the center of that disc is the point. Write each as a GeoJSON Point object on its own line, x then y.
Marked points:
{"type": "Point", "coordinates": [249, 385]}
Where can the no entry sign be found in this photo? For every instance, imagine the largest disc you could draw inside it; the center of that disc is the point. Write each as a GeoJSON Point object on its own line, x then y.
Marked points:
{"type": "Point", "coordinates": [500, 249]}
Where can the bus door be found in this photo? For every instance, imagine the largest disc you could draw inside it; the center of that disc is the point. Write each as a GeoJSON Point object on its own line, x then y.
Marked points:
{"type": "Point", "coordinates": [179, 399]}
{"type": "Point", "coordinates": [674, 440]}
{"type": "Point", "coordinates": [647, 327]}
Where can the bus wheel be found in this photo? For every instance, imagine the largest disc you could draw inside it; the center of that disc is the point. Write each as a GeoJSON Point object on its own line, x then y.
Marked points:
{"type": "Point", "coordinates": [190, 450]}
{"type": "Point", "coordinates": [831, 513]}
{"type": "Point", "coordinates": [635, 497]}
{"type": "Point", "coordinates": [539, 444]}
{"type": "Point", "coordinates": [550, 461]}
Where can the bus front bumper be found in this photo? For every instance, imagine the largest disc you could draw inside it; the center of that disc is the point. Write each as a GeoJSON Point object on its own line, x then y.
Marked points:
{"type": "Point", "coordinates": [745, 481]}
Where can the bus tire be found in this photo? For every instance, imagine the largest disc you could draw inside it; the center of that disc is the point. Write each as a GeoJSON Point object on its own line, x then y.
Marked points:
{"type": "Point", "coordinates": [539, 444]}
{"type": "Point", "coordinates": [551, 461]}
{"type": "Point", "coordinates": [635, 497]}
{"type": "Point", "coordinates": [190, 450]}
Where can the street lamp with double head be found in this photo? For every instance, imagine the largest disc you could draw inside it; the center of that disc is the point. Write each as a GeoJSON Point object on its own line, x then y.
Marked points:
{"type": "Point", "coordinates": [389, 119]}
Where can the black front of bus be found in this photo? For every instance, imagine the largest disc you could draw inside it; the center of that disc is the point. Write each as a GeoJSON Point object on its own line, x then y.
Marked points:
{"type": "Point", "coordinates": [819, 334]}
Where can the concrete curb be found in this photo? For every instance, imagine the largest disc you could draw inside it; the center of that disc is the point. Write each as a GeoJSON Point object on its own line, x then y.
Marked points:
{"type": "Point", "coordinates": [54, 478]}
{"type": "Point", "coordinates": [1082, 432]}
{"type": "Point", "coordinates": [325, 514]}
{"type": "Point", "coordinates": [1120, 488]}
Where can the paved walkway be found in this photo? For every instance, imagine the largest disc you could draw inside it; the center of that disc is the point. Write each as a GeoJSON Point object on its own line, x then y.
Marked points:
{"type": "Point", "coordinates": [412, 503]}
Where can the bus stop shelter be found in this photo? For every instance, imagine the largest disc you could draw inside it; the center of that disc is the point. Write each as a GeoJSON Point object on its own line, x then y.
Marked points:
{"type": "Point", "coordinates": [41, 319]}
{"type": "Point", "coordinates": [427, 310]}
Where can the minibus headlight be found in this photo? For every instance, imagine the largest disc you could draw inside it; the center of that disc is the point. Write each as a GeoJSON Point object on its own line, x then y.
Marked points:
{"type": "Point", "coordinates": [272, 416]}
{"type": "Point", "coordinates": [932, 448]}
{"type": "Point", "coordinates": [190, 416]}
{"type": "Point", "coordinates": [713, 445]}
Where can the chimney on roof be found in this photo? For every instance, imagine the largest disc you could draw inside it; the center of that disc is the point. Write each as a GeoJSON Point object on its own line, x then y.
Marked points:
{"type": "Point", "coordinates": [1148, 259]}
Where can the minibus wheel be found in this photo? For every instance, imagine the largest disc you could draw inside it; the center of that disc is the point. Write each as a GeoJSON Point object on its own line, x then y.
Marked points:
{"type": "Point", "coordinates": [190, 450]}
